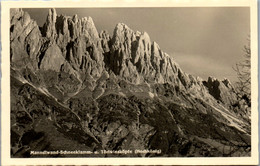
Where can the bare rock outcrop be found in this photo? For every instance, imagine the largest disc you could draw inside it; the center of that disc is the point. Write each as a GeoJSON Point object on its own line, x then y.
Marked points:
{"type": "Point", "coordinates": [49, 27]}
{"type": "Point", "coordinates": [105, 39]}
{"type": "Point", "coordinates": [134, 57]}
{"type": "Point", "coordinates": [222, 91]}
{"type": "Point", "coordinates": [25, 38]}
{"type": "Point", "coordinates": [131, 55]}
{"type": "Point", "coordinates": [53, 59]}
{"type": "Point", "coordinates": [73, 45]}
{"type": "Point", "coordinates": [78, 41]}
{"type": "Point", "coordinates": [121, 92]}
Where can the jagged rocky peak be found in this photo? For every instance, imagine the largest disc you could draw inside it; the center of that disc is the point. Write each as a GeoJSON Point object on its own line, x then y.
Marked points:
{"type": "Point", "coordinates": [89, 27]}
{"type": "Point", "coordinates": [214, 82]}
{"type": "Point", "coordinates": [52, 15]}
{"type": "Point", "coordinates": [124, 34]}
{"type": "Point", "coordinates": [105, 40]}
{"type": "Point", "coordinates": [78, 42]}
{"type": "Point", "coordinates": [16, 14]}
{"type": "Point", "coordinates": [72, 44]}
{"type": "Point", "coordinates": [66, 28]}
{"type": "Point", "coordinates": [104, 35]}
{"type": "Point", "coordinates": [121, 27]}
{"type": "Point", "coordinates": [25, 38]}
{"type": "Point", "coordinates": [62, 25]}
{"type": "Point", "coordinates": [144, 36]}
{"type": "Point", "coordinates": [221, 90]}
{"type": "Point", "coordinates": [49, 28]}
{"type": "Point", "coordinates": [227, 83]}
{"type": "Point", "coordinates": [134, 54]}
{"type": "Point", "coordinates": [20, 22]}
{"type": "Point", "coordinates": [142, 47]}
{"type": "Point", "coordinates": [122, 38]}
{"type": "Point", "coordinates": [14, 11]}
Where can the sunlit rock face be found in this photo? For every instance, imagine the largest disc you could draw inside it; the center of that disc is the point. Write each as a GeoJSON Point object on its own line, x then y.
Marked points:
{"type": "Point", "coordinates": [25, 39]}
{"type": "Point", "coordinates": [74, 88]}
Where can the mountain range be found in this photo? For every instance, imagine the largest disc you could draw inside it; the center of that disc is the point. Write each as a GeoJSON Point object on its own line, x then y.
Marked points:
{"type": "Point", "coordinates": [75, 89]}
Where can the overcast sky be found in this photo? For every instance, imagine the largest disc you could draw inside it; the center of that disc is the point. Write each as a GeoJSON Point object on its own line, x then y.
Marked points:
{"type": "Point", "coordinates": [204, 41]}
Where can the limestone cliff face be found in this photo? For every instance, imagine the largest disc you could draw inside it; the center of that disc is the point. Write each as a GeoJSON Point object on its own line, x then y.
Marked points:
{"type": "Point", "coordinates": [52, 59]}
{"type": "Point", "coordinates": [25, 37]}
{"type": "Point", "coordinates": [78, 41]}
{"type": "Point", "coordinates": [73, 45]}
{"type": "Point", "coordinates": [137, 59]}
{"type": "Point", "coordinates": [49, 28]}
{"type": "Point", "coordinates": [222, 91]}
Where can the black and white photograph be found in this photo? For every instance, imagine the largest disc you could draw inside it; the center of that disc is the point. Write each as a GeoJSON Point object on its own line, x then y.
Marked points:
{"type": "Point", "coordinates": [131, 82]}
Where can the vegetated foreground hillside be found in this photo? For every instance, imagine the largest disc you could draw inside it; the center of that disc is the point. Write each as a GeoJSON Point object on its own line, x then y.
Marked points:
{"type": "Point", "coordinates": [76, 90]}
